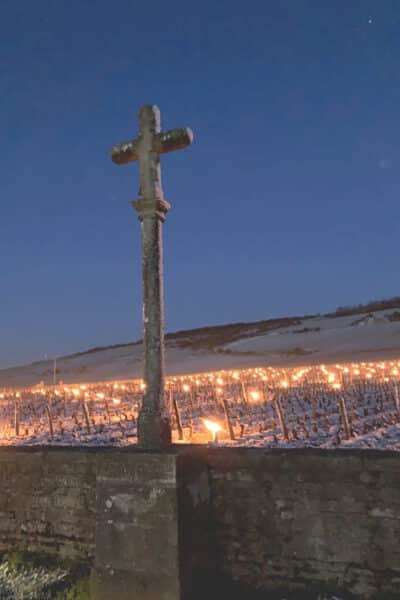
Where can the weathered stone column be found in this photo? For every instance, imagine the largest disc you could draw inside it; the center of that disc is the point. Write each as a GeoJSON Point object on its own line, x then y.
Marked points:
{"type": "Point", "coordinates": [154, 430]}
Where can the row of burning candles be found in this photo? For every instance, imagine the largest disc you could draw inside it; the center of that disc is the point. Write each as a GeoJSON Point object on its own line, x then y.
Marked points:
{"type": "Point", "coordinates": [335, 376]}
{"type": "Point", "coordinates": [284, 378]}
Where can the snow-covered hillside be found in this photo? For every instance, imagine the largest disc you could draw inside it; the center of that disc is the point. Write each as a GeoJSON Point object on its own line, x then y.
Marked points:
{"type": "Point", "coordinates": [322, 337]}
{"type": "Point", "coordinates": [283, 342]}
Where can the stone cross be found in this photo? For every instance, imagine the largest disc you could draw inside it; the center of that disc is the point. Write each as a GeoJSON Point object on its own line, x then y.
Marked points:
{"type": "Point", "coordinates": [154, 427]}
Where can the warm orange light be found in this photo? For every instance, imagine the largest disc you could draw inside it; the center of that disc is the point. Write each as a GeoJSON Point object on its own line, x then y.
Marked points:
{"type": "Point", "coordinates": [213, 427]}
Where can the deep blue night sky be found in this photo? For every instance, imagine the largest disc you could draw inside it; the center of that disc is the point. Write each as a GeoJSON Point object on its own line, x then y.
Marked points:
{"type": "Point", "coordinates": [287, 202]}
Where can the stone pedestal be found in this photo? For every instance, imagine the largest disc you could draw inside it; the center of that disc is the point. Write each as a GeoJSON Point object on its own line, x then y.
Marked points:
{"type": "Point", "coordinates": [136, 539]}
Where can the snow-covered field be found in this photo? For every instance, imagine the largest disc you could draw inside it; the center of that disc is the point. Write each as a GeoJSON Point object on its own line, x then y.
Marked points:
{"type": "Point", "coordinates": [248, 382]}
{"type": "Point", "coordinates": [342, 405]}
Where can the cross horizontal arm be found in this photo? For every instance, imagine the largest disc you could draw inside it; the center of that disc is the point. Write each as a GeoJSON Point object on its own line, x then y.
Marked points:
{"type": "Point", "coordinates": [175, 139]}
{"type": "Point", "coordinates": [125, 152]}
{"type": "Point", "coordinates": [163, 142]}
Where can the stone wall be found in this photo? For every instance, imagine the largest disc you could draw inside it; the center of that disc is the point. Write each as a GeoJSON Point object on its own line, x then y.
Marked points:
{"type": "Point", "coordinates": [207, 522]}
{"type": "Point", "coordinates": [114, 509]}
{"type": "Point", "coordinates": [47, 501]}
{"type": "Point", "coordinates": [302, 519]}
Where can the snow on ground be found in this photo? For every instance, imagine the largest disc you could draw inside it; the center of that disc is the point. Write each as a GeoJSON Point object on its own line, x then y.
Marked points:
{"type": "Point", "coordinates": [101, 410]}
{"type": "Point", "coordinates": [327, 336]}
{"type": "Point", "coordinates": [337, 406]}
{"type": "Point", "coordinates": [383, 438]}
{"type": "Point", "coordinates": [310, 341]}
{"type": "Point", "coordinates": [23, 578]}
{"type": "Point", "coordinates": [119, 363]}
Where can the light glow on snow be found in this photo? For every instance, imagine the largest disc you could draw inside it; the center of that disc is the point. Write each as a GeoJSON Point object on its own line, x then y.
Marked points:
{"type": "Point", "coordinates": [326, 405]}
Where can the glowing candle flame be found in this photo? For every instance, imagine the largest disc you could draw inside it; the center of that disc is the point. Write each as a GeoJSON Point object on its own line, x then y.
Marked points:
{"type": "Point", "coordinates": [213, 427]}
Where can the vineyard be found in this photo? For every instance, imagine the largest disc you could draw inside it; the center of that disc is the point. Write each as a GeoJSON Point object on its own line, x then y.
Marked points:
{"type": "Point", "coordinates": [326, 406]}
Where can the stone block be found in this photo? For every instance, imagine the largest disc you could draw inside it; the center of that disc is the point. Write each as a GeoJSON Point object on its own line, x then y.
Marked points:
{"type": "Point", "coordinates": [128, 585]}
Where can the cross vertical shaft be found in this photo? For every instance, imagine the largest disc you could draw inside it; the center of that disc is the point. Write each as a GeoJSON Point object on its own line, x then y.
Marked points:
{"type": "Point", "coordinates": [154, 428]}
